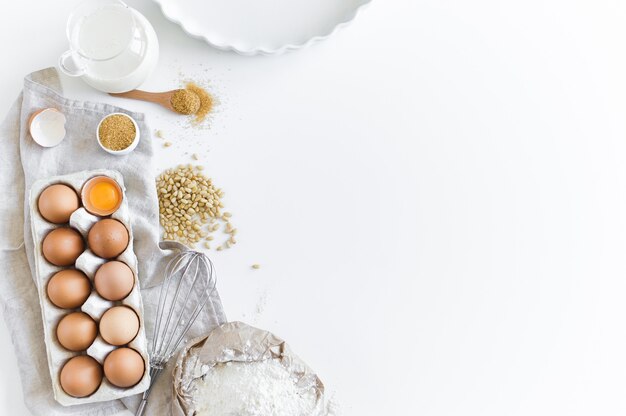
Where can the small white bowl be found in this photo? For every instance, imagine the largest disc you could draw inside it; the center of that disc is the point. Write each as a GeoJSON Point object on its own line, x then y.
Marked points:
{"type": "Point", "coordinates": [123, 151]}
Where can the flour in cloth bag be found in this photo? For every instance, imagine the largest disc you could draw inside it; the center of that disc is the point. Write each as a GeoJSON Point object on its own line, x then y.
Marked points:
{"type": "Point", "coordinates": [262, 388]}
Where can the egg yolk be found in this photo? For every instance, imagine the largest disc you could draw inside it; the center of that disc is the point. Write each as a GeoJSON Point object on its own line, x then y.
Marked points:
{"type": "Point", "coordinates": [104, 196]}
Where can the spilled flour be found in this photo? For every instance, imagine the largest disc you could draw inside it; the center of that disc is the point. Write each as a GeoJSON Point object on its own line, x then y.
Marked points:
{"type": "Point", "coordinates": [263, 388]}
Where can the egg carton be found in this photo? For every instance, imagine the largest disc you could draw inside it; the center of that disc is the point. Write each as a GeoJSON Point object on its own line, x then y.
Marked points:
{"type": "Point", "coordinates": [94, 306]}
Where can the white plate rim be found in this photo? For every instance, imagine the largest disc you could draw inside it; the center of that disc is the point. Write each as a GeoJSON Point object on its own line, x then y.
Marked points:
{"type": "Point", "coordinates": [257, 51]}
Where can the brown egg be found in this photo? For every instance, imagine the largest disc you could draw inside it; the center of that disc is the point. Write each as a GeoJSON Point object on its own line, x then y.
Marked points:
{"type": "Point", "coordinates": [81, 376]}
{"type": "Point", "coordinates": [114, 280]}
{"type": "Point", "coordinates": [69, 288]}
{"type": "Point", "coordinates": [108, 238]}
{"type": "Point", "coordinates": [76, 331]}
{"type": "Point", "coordinates": [124, 367]}
{"type": "Point", "coordinates": [62, 246]}
{"type": "Point", "coordinates": [119, 325]}
{"type": "Point", "coordinates": [57, 202]}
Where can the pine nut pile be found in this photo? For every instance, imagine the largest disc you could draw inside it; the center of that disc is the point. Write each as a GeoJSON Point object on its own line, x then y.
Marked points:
{"type": "Point", "coordinates": [190, 208]}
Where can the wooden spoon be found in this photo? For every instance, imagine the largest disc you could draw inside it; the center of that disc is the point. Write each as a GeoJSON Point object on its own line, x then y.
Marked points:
{"type": "Point", "coordinates": [162, 98]}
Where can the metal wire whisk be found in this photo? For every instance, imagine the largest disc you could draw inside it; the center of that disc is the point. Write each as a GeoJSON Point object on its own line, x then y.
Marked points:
{"type": "Point", "coordinates": [189, 282]}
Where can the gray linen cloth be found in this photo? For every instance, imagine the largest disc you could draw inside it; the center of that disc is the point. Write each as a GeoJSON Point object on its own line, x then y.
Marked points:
{"type": "Point", "coordinates": [22, 162]}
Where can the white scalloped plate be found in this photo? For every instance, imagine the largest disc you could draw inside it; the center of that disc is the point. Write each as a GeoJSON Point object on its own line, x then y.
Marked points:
{"type": "Point", "coordinates": [251, 27]}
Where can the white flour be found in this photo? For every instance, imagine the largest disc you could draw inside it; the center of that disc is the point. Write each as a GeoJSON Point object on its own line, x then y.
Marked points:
{"type": "Point", "coordinates": [252, 389]}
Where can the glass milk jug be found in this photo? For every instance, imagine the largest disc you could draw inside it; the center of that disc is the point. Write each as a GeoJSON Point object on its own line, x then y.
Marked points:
{"type": "Point", "coordinates": [112, 46]}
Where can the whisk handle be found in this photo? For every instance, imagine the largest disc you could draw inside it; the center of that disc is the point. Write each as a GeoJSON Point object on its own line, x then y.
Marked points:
{"type": "Point", "coordinates": [155, 371]}
{"type": "Point", "coordinates": [142, 406]}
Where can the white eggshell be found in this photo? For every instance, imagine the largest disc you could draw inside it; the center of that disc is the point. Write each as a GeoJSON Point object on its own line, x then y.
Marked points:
{"type": "Point", "coordinates": [47, 127]}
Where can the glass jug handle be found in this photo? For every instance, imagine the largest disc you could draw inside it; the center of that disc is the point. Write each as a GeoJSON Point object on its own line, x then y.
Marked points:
{"type": "Point", "coordinates": [72, 70]}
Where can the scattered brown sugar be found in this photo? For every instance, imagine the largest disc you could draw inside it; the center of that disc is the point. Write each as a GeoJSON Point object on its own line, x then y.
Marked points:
{"type": "Point", "coordinates": [117, 132]}
{"type": "Point", "coordinates": [185, 101]}
{"type": "Point", "coordinates": [206, 101]}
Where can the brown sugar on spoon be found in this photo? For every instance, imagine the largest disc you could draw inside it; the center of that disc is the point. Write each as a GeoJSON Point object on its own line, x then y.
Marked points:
{"type": "Point", "coordinates": [192, 100]}
{"type": "Point", "coordinates": [206, 101]}
{"type": "Point", "coordinates": [185, 102]}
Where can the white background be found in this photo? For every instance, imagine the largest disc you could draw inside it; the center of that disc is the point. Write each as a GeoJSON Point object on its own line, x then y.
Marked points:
{"type": "Point", "coordinates": [436, 196]}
